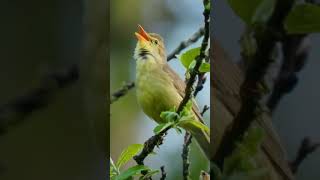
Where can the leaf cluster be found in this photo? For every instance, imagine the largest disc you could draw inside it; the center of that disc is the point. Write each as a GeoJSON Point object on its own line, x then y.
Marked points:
{"type": "Point", "coordinates": [177, 121]}
{"type": "Point", "coordinates": [302, 19]}
{"type": "Point", "coordinates": [188, 60]}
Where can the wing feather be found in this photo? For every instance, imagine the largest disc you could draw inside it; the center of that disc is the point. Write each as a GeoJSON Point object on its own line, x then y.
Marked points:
{"type": "Point", "coordinates": [180, 85]}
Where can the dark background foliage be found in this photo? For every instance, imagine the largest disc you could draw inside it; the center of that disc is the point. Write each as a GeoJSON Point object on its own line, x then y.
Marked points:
{"type": "Point", "coordinates": [59, 139]}
{"type": "Point", "coordinates": [297, 114]}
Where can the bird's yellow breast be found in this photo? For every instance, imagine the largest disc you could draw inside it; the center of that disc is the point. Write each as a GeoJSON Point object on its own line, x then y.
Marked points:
{"type": "Point", "coordinates": [155, 89]}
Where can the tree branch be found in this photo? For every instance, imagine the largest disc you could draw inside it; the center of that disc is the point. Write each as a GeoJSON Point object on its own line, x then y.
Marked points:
{"type": "Point", "coordinates": [121, 92]}
{"type": "Point", "coordinates": [307, 147]}
{"type": "Point", "coordinates": [250, 91]}
{"type": "Point", "coordinates": [185, 156]}
{"type": "Point", "coordinates": [205, 108]}
{"type": "Point", "coordinates": [195, 71]}
{"type": "Point", "coordinates": [186, 43]}
{"type": "Point", "coordinates": [295, 54]}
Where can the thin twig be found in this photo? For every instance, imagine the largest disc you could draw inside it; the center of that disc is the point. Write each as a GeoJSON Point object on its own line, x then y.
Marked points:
{"type": "Point", "coordinates": [250, 91]}
{"type": "Point", "coordinates": [163, 173]}
{"type": "Point", "coordinates": [121, 92]}
{"type": "Point", "coordinates": [205, 108]}
{"type": "Point", "coordinates": [307, 147]}
{"type": "Point", "coordinates": [185, 156]}
{"type": "Point", "coordinates": [15, 111]}
{"type": "Point", "coordinates": [201, 80]}
{"type": "Point", "coordinates": [186, 43]}
{"type": "Point", "coordinates": [295, 54]}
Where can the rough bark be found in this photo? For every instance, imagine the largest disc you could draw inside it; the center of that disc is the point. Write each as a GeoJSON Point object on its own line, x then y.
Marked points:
{"type": "Point", "coordinates": [226, 79]}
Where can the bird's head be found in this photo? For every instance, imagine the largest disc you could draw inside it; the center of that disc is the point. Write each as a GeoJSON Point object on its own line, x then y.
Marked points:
{"type": "Point", "coordinates": [150, 46]}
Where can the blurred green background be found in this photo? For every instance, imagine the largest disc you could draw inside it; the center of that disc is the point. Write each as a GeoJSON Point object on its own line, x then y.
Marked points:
{"type": "Point", "coordinates": [174, 21]}
{"type": "Point", "coordinates": [59, 141]}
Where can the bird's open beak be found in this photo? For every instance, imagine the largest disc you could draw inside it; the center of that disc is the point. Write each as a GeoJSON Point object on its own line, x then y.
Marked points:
{"type": "Point", "coordinates": [142, 35]}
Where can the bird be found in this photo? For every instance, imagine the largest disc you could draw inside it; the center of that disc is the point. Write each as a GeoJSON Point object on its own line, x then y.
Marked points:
{"type": "Point", "coordinates": [159, 88]}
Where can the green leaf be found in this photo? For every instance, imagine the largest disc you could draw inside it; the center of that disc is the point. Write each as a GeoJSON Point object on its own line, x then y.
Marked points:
{"type": "Point", "coordinates": [208, 6]}
{"type": "Point", "coordinates": [149, 175]}
{"type": "Point", "coordinates": [205, 67]}
{"type": "Point", "coordinates": [161, 127]}
{"type": "Point", "coordinates": [169, 116]}
{"type": "Point", "coordinates": [187, 57]}
{"type": "Point", "coordinates": [113, 169]}
{"type": "Point", "coordinates": [178, 130]}
{"type": "Point", "coordinates": [192, 64]}
{"type": "Point", "coordinates": [263, 11]}
{"type": "Point", "coordinates": [252, 11]}
{"type": "Point", "coordinates": [187, 109]}
{"type": "Point", "coordinates": [303, 18]}
{"type": "Point", "coordinates": [245, 9]}
{"type": "Point", "coordinates": [128, 154]}
{"type": "Point", "coordinates": [135, 170]}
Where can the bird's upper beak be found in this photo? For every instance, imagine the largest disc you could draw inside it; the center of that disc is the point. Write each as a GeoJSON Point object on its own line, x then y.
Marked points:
{"type": "Point", "coordinates": [142, 35]}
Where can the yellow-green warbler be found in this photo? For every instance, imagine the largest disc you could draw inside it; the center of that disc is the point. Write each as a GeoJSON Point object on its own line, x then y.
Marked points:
{"type": "Point", "coordinates": [159, 88]}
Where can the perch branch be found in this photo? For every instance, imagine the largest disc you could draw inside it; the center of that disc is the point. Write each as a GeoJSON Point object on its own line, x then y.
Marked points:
{"type": "Point", "coordinates": [189, 88]}
{"type": "Point", "coordinates": [307, 147]}
{"type": "Point", "coordinates": [195, 71]}
{"type": "Point", "coordinates": [250, 92]}
{"type": "Point", "coordinates": [185, 156]}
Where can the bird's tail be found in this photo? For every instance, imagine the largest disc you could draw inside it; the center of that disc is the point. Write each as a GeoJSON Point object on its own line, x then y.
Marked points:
{"type": "Point", "coordinates": [201, 135]}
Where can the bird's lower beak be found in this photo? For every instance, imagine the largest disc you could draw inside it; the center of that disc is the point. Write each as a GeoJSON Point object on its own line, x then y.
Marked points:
{"type": "Point", "coordinates": [142, 35]}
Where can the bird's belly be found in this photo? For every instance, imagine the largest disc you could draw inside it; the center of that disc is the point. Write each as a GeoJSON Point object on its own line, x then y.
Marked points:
{"type": "Point", "coordinates": [156, 95]}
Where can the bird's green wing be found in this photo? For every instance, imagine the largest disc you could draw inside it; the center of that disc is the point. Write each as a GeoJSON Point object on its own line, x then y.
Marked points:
{"type": "Point", "coordinates": [202, 136]}
{"type": "Point", "coordinates": [180, 85]}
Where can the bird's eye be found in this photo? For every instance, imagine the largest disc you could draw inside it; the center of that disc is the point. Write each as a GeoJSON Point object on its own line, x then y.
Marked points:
{"type": "Point", "coordinates": [156, 41]}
